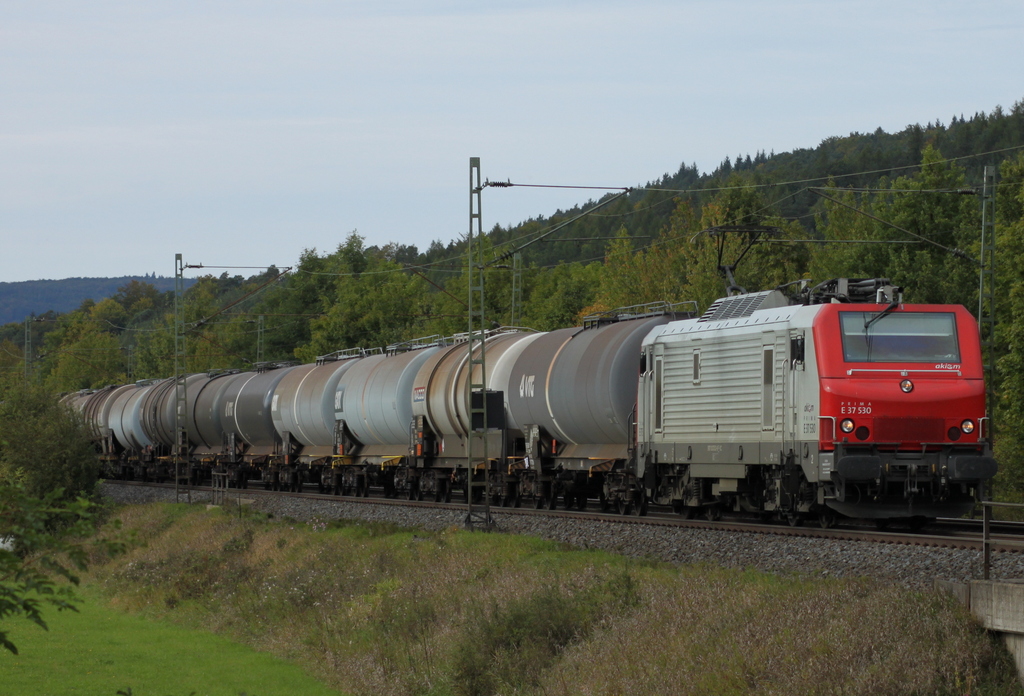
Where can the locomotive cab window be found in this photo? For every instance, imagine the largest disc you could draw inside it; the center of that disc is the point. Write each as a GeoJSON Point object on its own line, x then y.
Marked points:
{"type": "Point", "coordinates": [899, 337]}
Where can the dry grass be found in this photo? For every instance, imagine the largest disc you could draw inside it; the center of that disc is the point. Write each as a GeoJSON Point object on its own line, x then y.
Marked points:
{"type": "Point", "coordinates": [377, 610]}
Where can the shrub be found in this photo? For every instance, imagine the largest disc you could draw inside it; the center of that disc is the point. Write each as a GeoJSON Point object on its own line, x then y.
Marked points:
{"type": "Point", "coordinates": [512, 646]}
{"type": "Point", "coordinates": [43, 444]}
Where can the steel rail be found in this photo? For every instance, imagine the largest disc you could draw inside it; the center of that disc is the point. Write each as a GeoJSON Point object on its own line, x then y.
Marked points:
{"type": "Point", "coordinates": [853, 530]}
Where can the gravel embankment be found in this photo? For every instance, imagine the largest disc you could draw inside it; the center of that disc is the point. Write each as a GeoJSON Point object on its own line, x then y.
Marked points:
{"type": "Point", "coordinates": [915, 566]}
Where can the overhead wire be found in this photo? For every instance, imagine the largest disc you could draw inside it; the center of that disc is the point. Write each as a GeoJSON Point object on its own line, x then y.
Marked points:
{"type": "Point", "coordinates": [509, 184]}
{"type": "Point", "coordinates": [538, 235]}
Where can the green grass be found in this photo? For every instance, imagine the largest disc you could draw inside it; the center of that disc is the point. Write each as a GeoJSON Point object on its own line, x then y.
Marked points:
{"type": "Point", "coordinates": [100, 651]}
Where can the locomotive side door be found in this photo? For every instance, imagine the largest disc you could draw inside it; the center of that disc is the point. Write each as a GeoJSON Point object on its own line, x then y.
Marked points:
{"type": "Point", "coordinates": [776, 395]}
{"type": "Point", "coordinates": [645, 405]}
{"type": "Point", "coordinates": [802, 407]}
{"type": "Point", "coordinates": [650, 400]}
{"type": "Point", "coordinates": [796, 371]}
{"type": "Point", "coordinates": [773, 393]}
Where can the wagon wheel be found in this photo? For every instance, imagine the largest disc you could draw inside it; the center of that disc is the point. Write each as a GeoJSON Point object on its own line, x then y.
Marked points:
{"type": "Point", "coordinates": [513, 495]}
{"type": "Point", "coordinates": [827, 520]}
{"type": "Point", "coordinates": [795, 519]}
{"type": "Point", "coordinates": [639, 503]}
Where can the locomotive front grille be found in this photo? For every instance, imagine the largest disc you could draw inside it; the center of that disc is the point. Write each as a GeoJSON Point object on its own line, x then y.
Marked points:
{"type": "Point", "coordinates": [910, 430]}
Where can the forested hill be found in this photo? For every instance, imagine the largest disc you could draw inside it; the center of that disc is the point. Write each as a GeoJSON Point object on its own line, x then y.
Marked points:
{"type": "Point", "coordinates": [20, 300]}
{"type": "Point", "coordinates": [855, 160]}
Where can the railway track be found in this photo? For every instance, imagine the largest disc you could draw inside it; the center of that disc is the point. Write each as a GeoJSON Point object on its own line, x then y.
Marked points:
{"type": "Point", "coordinates": [948, 533]}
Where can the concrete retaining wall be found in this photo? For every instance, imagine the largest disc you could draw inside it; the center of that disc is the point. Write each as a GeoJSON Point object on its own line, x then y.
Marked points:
{"type": "Point", "coordinates": [999, 605]}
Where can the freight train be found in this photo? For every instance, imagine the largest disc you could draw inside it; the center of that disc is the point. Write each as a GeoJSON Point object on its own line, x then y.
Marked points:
{"type": "Point", "coordinates": [828, 402]}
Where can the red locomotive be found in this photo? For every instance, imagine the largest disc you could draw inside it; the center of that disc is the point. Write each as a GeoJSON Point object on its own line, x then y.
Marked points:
{"type": "Point", "coordinates": [845, 401]}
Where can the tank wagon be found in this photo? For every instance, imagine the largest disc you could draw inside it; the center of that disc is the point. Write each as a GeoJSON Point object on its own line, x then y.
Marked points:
{"type": "Point", "coordinates": [837, 401]}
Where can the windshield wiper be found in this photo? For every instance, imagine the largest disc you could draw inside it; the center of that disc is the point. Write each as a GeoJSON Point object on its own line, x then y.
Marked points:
{"type": "Point", "coordinates": [892, 305]}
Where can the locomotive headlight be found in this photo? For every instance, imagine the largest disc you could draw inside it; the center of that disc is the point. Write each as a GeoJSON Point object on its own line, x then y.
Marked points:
{"type": "Point", "coordinates": [846, 425]}
{"type": "Point", "coordinates": [967, 426]}
{"type": "Point", "coordinates": [907, 386]}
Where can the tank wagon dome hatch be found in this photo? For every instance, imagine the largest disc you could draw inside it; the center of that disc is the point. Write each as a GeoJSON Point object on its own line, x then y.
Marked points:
{"type": "Point", "coordinates": [642, 311]}
{"type": "Point", "coordinates": [346, 354]}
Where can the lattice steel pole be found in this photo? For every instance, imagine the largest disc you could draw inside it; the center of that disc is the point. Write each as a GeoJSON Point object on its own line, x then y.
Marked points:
{"type": "Point", "coordinates": [517, 288]}
{"type": "Point", "coordinates": [28, 348]}
{"type": "Point", "coordinates": [478, 516]}
{"type": "Point", "coordinates": [180, 453]}
{"type": "Point", "coordinates": [987, 284]}
{"type": "Point", "coordinates": [259, 339]}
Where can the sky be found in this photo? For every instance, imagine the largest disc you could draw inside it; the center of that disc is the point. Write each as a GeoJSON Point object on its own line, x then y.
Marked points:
{"type": "Point", "coordinates": [242, 133]}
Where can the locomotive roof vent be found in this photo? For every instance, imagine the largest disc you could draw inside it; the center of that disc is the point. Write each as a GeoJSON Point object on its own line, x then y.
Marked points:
{"type": "Point", "coordinates": [739, 306]}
